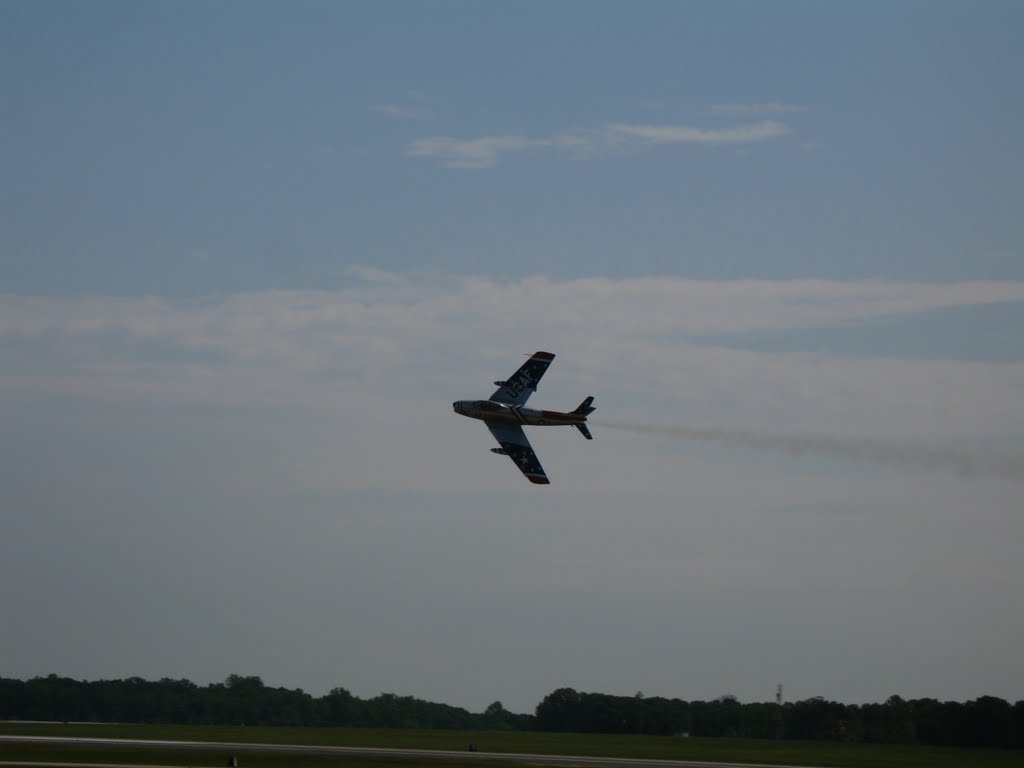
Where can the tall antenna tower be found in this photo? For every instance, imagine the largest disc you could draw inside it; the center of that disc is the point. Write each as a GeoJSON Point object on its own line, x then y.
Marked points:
{"type": "Point", "coordinates": [780, 725]}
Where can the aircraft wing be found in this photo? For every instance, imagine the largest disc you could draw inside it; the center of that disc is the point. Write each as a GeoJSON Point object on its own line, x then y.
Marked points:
{"type": "Point", "coordinates": [513, 440]}
{"type": "Point", "coordinates": [517, 389]}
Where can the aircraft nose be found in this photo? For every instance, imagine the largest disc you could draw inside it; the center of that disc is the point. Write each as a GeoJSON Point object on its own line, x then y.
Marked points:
{"type": "Point", "coordinates": [455, 406]}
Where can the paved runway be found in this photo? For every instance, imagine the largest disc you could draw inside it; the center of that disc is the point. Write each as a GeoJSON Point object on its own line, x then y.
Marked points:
{"type": "Point", "coordinates": [233, 748]}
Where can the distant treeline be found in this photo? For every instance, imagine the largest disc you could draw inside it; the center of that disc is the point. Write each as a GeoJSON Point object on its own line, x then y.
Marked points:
{"type": "Point", "coordinates": [983, 722]}
{"type": "Point", "coordinates": [238, 700]}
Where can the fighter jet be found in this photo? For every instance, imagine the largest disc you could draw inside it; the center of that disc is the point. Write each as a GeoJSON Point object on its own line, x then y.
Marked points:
{"type": "Point", "coordinates": [505, 415]}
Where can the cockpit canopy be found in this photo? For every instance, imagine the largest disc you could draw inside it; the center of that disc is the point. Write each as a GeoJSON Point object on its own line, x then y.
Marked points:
{"type": "Point", "coordinates": [489, 405]}
{"type": "Point", "coordinates": [478, 406]}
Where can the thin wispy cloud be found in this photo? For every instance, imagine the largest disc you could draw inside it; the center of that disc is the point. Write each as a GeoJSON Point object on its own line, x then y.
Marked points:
{"type": "Point", "coordinates": [401, 112]}
{"type": "Point", "coordinates": [472, 153]}
{"type": "Point", "coordinates": [487, 151]}
{"type": "Point", "coordinates": [685, 134]}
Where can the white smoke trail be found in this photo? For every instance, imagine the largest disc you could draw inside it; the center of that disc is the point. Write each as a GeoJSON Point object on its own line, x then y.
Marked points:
{"type": "Point", "coordinates": [969, 462]}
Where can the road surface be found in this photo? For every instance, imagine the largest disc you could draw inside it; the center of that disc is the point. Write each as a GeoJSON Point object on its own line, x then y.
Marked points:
{"type": "Point", "coordinates": [232, 748]}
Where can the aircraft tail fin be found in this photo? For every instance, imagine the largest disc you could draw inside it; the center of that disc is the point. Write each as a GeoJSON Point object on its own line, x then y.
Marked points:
{"type": "Point", "coordinates": [585, 408]}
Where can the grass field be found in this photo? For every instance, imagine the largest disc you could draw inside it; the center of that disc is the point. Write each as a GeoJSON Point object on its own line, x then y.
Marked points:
{"type": "Point", "coordinates": [715, 750]}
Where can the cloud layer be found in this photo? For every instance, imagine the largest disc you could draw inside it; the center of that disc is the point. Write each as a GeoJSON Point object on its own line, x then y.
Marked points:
{"type": "Point", "coordinates": [623, 307]}
{"type": "Point", "coordinates": [649, 343]}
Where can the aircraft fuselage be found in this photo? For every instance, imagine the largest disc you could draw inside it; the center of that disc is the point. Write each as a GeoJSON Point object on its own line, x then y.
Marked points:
{"type": "Point", "coordinates": [488, 410]}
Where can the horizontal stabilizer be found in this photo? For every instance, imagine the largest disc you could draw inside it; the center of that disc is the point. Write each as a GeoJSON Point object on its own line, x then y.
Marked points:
{"type": "Point", "coordinates": [584, 431]}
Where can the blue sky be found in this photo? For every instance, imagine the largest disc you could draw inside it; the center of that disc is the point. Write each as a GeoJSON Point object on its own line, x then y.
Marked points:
{"type": "Point", "coordinates": [250, 253]}
{"type": "Point", "coordinates": [268, 147]}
